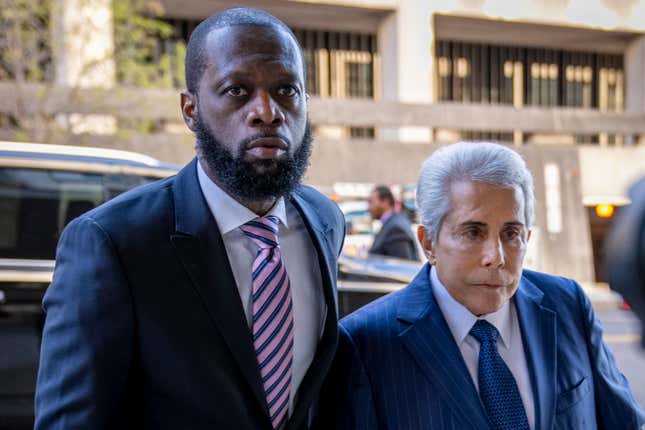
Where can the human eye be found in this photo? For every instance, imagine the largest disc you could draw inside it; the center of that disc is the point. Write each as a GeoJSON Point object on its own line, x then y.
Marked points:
{"type": "Point", "coordinates": [236, 91]}
{"type": "Point", "coordinates": [473, 233]}
{"type": "Point", "coordinates": [288, 90]}
{"type": "Point", "coordinates": [511, 233]}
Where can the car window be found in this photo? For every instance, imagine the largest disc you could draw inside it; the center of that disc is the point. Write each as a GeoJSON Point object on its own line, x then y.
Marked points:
{"type": "Point", "coordinates": [360, 222]}
{"type": "Point", "coordinates": [35, 206]}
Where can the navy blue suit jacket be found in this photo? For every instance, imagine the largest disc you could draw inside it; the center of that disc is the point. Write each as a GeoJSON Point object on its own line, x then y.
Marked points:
{"type": "Point", "coordinates": [396, 239]}
{"type": "Point", "coordinates": [144, 325]}
{"type": "Point", "coordinates": [398, 366]}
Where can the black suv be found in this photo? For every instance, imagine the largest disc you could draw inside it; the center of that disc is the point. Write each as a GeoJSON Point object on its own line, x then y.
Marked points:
{"type": "Point", "coordinates": [42, 188]}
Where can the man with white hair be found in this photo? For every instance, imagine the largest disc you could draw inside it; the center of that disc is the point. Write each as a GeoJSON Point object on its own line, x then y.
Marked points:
{"type": "Point", "coordinates": [475, 342]}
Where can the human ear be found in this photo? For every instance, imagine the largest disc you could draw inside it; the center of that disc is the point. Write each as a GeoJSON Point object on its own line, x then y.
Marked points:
{"type": "Point", "coordinates": [189, 108]}
{"type": "Point", "coordinates": [426, 243]}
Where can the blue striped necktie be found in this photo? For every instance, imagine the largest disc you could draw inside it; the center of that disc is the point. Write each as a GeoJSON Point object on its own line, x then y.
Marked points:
{"type": "Point", "coordinates": [272, 317]}
{"type": "Point", "coordinates": [497, 388]}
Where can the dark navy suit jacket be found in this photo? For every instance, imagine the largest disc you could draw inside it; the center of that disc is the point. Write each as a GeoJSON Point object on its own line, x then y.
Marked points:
{"type": "Point", "coordinates": [396, 239]}
{"type": "Point", "coordinates": [399, 368]}
{"type": "Point", "coordinates": [144, 325]}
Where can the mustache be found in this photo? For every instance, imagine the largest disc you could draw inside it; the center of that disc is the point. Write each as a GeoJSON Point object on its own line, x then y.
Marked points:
{"type": "Point", "coordinates": [252, 180]}
{"type": "Point", "coordinates": [246, 142]}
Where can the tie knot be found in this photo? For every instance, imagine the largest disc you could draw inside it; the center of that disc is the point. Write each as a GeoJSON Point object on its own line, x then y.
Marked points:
{"type": "Point", "coordinates": [263, 231]}
{"type": "Point", "coordinates": [484, 331]}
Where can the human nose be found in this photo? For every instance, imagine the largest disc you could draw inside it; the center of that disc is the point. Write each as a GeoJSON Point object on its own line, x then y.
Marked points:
{"type": "Point", "coordinates": [264, 111]}
{"type": "Point", "coordinates": [493, 254]}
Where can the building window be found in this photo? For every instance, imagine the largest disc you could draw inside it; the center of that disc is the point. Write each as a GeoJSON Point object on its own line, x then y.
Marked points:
{"type": "Point", "coordinates": [341, 65]}
{"type": "Point", "coordinates": [519, 76]}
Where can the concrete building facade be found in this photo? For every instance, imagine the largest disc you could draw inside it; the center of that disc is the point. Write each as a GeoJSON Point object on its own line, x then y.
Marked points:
{"type": "Point", "coordinates": [545, 54]}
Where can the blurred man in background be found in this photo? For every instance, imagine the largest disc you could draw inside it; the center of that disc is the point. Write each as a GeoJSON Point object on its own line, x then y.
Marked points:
{"type": "Point", "coordinates": [395, 239]}
{"type": "Point", "coordinates": [626, 253]}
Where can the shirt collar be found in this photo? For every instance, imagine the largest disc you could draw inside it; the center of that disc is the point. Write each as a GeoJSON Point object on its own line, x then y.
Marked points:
{"type": "Point", "coordinates": [386, 216]}
{"type": "Point", "coordinates": [460, 320]}
{"type": "Point", "coordinates": [228, 212]}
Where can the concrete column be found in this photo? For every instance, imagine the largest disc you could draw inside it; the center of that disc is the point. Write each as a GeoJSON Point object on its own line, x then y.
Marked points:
{"type": "Point", "coordinates": [406, 47]}
{"type": "Point", "coordinates": [83, 46]}
{"type": "Point", "coordinates": [635, 80]}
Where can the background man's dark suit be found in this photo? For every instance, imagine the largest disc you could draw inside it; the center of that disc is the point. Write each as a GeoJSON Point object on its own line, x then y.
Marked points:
{"type": "Point", "coordinates": [398, 366]}
{"type": "Point", "coordinates": [145, 327]}
{"type": "Point", "coordinates": [626, 253]}
{"type": "Point", "coordinates": [395, 239]}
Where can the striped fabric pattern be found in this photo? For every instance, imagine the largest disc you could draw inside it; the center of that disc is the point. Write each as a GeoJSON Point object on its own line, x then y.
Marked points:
{"type": "Point", "coordinates": [399, 368]}
{"type": "Point", "coordinates": [273, 329]}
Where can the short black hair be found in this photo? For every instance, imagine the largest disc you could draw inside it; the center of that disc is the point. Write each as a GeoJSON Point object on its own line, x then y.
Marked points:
{"type": "Point", "coordinates": [384, 193]}
{"type": "Point", "coordinates": [195, 62]}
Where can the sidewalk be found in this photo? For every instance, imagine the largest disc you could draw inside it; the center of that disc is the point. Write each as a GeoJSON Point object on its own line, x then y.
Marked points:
{"type": "Point", "coordinates": [601, 296]}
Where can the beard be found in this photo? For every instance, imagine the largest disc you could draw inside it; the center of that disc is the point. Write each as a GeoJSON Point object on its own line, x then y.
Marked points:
{"type": "Point", "coordinates": [257, 179]}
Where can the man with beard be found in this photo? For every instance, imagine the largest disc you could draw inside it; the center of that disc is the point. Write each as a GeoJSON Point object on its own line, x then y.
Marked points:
{"type": "Point", "coordinates": [475, 342]}
{"type": "Point", "coordinates": [207, 300]}
{"type": "Point", "coordinates": [395, 239]}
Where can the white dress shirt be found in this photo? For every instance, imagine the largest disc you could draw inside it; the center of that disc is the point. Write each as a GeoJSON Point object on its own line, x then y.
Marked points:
{"type": "Point", "coordinates": [509, 343]}
{"type": "Point", "coordinates": [299, 257]}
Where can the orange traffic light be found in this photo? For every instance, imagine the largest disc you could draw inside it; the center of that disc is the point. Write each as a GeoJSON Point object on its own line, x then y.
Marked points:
{"type": "Point", "coordinates": [604, 210]}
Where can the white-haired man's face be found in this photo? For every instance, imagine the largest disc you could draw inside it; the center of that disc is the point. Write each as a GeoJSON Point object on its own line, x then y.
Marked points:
{"type": "Point", "coordinates": [481, 245]}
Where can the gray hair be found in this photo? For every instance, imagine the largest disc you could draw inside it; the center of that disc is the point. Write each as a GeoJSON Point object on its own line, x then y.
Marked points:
{"type": "Point", "coordinates": [485, 162]}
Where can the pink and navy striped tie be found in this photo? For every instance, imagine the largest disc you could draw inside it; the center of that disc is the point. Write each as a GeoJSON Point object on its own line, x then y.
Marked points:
{"type": "Point", "coordinates": [272, 317]}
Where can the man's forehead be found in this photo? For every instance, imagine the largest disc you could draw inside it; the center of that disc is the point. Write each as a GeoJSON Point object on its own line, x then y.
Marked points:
{"type": "Point", "coordinates": [472, 201]}
{"type": "Point", "coordinates": [481, 192]}
{"type": "Point", "coordinates": [251, 39]}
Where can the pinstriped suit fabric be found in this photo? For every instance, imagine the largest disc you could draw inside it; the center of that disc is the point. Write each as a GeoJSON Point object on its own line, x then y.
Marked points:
{"type": "Point", "coordinates": [399, 368]}
{"type": "Point", "coordinates": [394, 393]}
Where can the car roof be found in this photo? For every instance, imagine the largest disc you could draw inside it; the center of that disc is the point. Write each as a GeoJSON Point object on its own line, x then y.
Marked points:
{"type": "Point", "coordinates": [353, 206]}
{"type": "Point", "coordinates": [68, 157]}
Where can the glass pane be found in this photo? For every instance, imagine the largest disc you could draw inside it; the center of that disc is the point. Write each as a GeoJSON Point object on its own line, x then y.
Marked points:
{"type": "Point", "coordinates": [35, 206]}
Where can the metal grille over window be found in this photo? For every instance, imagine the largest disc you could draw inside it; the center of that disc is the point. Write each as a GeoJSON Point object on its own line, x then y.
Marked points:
{"type": "Point", "coordinates": [518, 76]}
{"type": "Point", "coordinates": [341, 65]}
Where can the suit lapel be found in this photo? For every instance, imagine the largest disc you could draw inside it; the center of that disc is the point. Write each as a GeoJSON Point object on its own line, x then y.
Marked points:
{"type": "Point", "coordinates": [312, 381]}
{"type": "Point", "coordinates": [428, 339]}
{"type": "Point", "coordinates": [538, 326]}
{"type": "Point", "coordinates": [201, 250]}
{"type": "Point", "coordinates": [380, 235]}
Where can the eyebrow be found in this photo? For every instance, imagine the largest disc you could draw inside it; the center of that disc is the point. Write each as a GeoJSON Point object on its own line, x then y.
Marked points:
{"type": "Point", "coordinates": [236, 74]}
{"type": "Point", "coordinates": [472, 224]}
{"type": "Point", "coordinates": [481, 224]}
{"type": "Point", "coordinates": [283, 76]}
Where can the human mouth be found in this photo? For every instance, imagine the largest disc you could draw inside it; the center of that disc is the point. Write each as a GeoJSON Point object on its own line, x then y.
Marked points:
{"type": "Point", "coordinates": [267, 147]}
{"type": "Point", "coordinates": [490, 286]}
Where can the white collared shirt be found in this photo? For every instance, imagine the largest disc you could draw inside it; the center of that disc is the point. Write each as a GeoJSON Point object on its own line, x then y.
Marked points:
{"type": "Point", "coordinates": [509, 343]}
{"type": "Point", "coordinates": [299, 257]}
